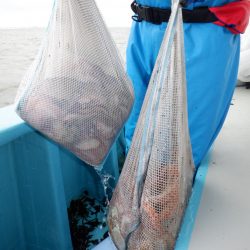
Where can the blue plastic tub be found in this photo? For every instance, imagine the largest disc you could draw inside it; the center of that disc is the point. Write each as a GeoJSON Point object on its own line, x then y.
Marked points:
{"type": "Point", "coordinates": [38, 179]}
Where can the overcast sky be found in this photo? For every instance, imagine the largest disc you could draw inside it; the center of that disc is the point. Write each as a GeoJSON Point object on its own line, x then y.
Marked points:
{"type": "Point", "coordinates": [35, 13]}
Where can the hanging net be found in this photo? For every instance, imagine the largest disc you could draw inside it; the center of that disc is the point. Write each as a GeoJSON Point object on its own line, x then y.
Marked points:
{"type": "Point", "coordinates": [155, 184]}
{"type": "Point", "coordinates": [76, 91]}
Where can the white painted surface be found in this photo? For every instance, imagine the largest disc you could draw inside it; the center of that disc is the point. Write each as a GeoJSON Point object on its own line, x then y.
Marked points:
{"type": "Point", "coordinates": [223, 219]}
{"type": "Point", "coordinates": [107, 244]}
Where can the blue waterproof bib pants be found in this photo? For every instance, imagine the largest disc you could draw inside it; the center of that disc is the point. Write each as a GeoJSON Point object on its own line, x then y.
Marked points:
{"type": "Point", "coordinates": [212, 57]}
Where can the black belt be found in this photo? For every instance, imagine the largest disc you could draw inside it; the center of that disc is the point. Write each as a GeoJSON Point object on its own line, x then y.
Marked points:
{"type": "Point", "coordinates": [158, 15]}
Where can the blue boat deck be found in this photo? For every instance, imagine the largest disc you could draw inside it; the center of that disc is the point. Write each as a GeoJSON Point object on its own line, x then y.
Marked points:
{"type": "Point", "coordinates": [38, 179]}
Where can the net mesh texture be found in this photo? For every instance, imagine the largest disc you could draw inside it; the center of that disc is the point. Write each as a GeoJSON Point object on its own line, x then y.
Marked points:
{"type": "Point", "coordinates": [76, 92]}
{"type": "Point", "coordinates": [149, 201]}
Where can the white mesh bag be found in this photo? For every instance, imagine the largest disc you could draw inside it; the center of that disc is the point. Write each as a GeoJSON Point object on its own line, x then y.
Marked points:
{"type": "Point", "coordinates": [148, 203]}
{"type": "Point", "coordinates": [76, 91]}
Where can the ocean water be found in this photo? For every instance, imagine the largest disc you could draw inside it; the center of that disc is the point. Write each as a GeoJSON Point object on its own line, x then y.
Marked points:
{"type": "Point", "coordinates": [18, 48]}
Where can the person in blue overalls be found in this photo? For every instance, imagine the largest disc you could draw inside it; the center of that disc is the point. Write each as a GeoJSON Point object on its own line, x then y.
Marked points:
{"type": "Point", "coordinates": [212, 58]}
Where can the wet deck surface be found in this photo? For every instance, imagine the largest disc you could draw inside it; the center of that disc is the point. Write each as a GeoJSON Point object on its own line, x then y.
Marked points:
{"type": "Point", "coordinates": [223, 219]}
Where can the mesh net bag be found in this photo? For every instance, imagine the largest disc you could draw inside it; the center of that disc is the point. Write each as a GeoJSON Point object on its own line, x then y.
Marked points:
{"type": "Point", "coordinates": [76, 92]}
{"type": "Point", "coordinates": [148, 203]}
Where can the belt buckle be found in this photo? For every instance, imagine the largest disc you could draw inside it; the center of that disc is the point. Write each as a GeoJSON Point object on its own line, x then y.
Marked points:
{"type": "Point", "coordinates": [136, 9]}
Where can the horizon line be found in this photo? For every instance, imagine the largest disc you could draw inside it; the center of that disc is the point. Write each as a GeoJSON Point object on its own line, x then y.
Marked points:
{"type": "Point", "coordinates": [44, 27]}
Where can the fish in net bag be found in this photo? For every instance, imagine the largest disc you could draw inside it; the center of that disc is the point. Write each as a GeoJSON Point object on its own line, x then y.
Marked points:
{"type": "Point", "coordinates": [76, 92]}
{"type": "Point", "coordinates": [154, 187]}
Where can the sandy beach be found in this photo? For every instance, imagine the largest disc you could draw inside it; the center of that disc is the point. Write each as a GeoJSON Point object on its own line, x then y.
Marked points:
{"type": "Point", "coordinates": [18, 48]}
